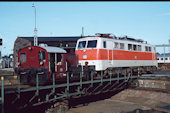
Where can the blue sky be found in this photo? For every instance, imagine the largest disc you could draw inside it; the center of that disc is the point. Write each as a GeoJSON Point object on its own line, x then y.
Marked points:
{"type": "Point", "coordinates": [149, 21]}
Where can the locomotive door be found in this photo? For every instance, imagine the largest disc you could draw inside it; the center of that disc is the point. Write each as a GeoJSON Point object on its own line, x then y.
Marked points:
{"type": "Point", "coordinates": [110, 52]}
{"type": "Point", "coordinates": [153, 54]}
{"type": "Point", "coordinates": [52, 62]}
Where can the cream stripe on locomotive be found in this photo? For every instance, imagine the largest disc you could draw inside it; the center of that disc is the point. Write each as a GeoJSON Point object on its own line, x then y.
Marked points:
{"type": "Point", "coordinates": [104, 64]}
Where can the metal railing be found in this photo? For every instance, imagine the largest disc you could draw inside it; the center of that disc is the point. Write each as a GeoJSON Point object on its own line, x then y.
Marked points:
{"type": "Point", "coordinates": [81, 87]}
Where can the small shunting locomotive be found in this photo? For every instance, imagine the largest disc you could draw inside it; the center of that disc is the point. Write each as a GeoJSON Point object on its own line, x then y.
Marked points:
{"type": "Point", "coordinates": [44, 61]}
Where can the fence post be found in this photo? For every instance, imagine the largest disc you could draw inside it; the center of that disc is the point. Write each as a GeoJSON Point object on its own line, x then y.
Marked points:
{"type": "Point", "coordinates": [37, 84]}
{"type": "Point", "coordinates": [18, 86]}
{"type": "Point", "coordinates": [91, 78]}
{"type": "Point", "coordinates": [118, 76]}
{"type": "Point", "coordinates": [53, 82]}
{"type": "Point", "coordinates": [101, 77]}
{"type": "Point", "coordinates": [68, 82]}
{"type": "Point", "coordinates": [81, 80]}
{"type": "Point", "coordinates": [2, 93]}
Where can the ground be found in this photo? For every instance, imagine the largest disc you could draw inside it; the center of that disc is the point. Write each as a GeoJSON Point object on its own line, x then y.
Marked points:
{"type": "Point", "coordinates": [127, 101]}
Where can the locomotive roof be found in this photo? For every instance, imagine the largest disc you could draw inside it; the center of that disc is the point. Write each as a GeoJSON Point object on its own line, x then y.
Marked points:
{"type": "Point", "coordinates": [121, 40]}
{"type": "Point", "coordinates": [50, 49]}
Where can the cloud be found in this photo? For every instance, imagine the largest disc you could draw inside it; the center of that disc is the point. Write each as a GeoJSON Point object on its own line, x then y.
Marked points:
{"type": "Point", "coordinates": [164, 14]}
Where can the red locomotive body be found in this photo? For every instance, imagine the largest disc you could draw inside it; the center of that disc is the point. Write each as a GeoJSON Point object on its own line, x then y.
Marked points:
{"type": "Point", "coordinates": [44, 61]}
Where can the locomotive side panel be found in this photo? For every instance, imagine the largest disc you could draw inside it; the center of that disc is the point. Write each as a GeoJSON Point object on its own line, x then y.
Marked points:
{"type": "Point", "coordinates": [32, 57]}
{"type": "Point", "coordinates": [110, 53]}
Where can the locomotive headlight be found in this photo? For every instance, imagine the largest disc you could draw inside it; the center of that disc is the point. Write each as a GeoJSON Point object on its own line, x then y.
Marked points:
{"type": "Point", "coordinates": [30, 48]}
{"type": "Point", "coordinates": [84, 56]}
{"type": "Point", "coordinates": [41, 63]}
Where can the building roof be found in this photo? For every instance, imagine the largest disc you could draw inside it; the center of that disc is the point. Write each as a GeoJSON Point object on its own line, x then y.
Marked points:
{"type": "Point", "coordinates": [162, 55]}
{"type": "Point", "coordinates": [52, 38]}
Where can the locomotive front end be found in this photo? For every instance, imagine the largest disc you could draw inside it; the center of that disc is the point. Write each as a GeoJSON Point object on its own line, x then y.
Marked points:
{"type": "Point", "coordinates": [87, 52]}
{"type": "Point", "coordinates": [32, 62]}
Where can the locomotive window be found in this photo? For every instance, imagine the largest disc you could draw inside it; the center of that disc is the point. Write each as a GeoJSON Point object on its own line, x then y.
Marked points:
{"type": "Point", "coordinates": [116, 45]}
{"type": "Point", "coordinates": [41, 56]}
{"type": "Point", "coordinates": [59, 57]}
{"type": "Point", "coordinates": [104, 44]}
{"type": "Point", "coordinates": [22, 57]}
{"type": "Point", "coordinates": [92, 44]}
{"type": "Point", "coordinates": [149, 48]}
{"type": "Point", "coordinates": [146, 48]}
{"type": "Point", "coordinates": [129, 46]}
{"type": "Point", "coordinates": [162, 59]}
{"type": "Point", "coordinates": [82, 44]}
{"type": "Point", "coordinates": [122, 46]}
{"type": "Point", "coordinates": [166, 58]}
{"type": "Point", "coordinates": [139, 48]}
{"type": "Point", "coordinates": [157, 58]}
{"type": "Point", "coordinates": [134, 47]}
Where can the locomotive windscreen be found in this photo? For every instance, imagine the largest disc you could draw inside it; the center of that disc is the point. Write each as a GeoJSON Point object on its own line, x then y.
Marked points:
{"type": "Point", "coordinates": [81, 44]}
{"type": "Point", "coordinates": [92, 44]}
{"type": "Point", "coordinates": [22, 57]}
{"type": "Point", "coordinates": [41, 56]}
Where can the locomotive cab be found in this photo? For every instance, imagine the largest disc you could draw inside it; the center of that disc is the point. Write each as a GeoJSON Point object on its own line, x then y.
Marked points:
{"type": "Point", "coordinates": [56, 62]}
{"type": "Point", "coordinates": [44, 62]}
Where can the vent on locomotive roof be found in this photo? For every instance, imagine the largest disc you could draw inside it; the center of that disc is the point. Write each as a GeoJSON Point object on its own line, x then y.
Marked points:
{"type": "Point", "coordinates": [105, 35]}
{"type": "Point", "coordinates": [131, 39]}
{"type": "Point", "coordinates": [127, 38]}
{"type": "Point", "coordinates": [140, 40]}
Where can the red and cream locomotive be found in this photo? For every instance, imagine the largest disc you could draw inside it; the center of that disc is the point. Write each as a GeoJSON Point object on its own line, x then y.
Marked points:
{"type": "Point", "coordinates": [103, 52]}
{"type": "Point", "coordinates": [45, 61]}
